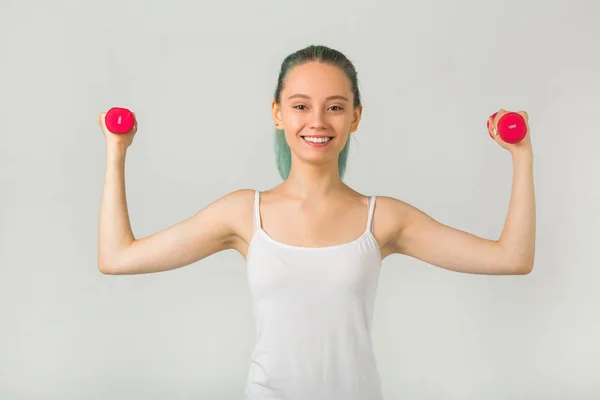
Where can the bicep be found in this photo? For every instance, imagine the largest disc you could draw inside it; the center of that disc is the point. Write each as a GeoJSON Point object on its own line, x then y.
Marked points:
{"type": "Point", "coordinates": [435, 243]}
{"type": "Point", "coordinates": [209, 231]}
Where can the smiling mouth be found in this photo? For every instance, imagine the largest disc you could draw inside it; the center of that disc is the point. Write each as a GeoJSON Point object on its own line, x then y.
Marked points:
{"type": "Point", "coordinates": [317, 139]}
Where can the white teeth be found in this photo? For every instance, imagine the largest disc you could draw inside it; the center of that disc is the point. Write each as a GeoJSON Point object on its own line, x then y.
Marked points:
{"type": "Point", "coordinates": [316, 139]}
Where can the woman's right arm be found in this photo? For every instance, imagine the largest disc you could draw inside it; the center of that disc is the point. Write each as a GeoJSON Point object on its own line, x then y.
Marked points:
{"type": "Point", "coordinates": [211, 230]}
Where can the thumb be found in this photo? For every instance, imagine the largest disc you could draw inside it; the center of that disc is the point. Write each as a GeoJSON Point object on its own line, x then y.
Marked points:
{"type": "Point", "coordinates": [135, 122]}
{"type": "Point", "coordinates": [101, 119]}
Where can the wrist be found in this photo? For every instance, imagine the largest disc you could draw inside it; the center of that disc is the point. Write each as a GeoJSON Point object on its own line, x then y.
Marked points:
{"type": "Point", "coordinates": [522, 158]}
{"type": "Point", "coordinates": [116, 152]}
{"type": "Point", "coordinates": [522, 152]}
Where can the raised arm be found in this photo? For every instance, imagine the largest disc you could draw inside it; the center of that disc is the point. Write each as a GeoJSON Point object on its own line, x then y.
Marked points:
{"type": "Point", "coordinates": [212, 229]}
{"type": "Point", "coordinates": [420, 236]}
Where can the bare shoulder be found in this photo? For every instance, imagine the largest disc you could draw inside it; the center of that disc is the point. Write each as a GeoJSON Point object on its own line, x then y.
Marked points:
{"type": "Point", "coordinates": [230, 214]}
{"type": "Point", "coordinates": [241, 198]}
{"type": "Point", "coordinates": [394, 209]}
{"type": "Point", "coordinates": [390, 217]}
{"type": "Point", "coordinates": [239, 207]}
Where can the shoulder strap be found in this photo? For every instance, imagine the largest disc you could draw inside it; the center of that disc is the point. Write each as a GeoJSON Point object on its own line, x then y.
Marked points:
{"type": "Point", "coordinates": [371, 212]}
{"type": "Point", "coordinates": [256, 210]}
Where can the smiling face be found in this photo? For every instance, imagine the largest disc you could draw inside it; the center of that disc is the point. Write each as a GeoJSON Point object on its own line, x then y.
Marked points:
{"type": "Point", "coordinates": [316, 112]}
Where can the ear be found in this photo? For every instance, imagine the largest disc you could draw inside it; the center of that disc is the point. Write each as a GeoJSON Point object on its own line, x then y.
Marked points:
{"type": "Point", "coordinates": [276, 114]}
{"type": "Point", "coordinates": [356, 115]}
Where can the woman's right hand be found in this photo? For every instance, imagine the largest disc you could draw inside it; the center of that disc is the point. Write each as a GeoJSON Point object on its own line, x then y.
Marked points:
{"type": "Point", "coordinates": [117, 140]}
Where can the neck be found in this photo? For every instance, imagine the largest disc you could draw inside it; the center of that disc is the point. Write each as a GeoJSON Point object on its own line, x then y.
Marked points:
{"type": "Point", "coordinates": [313, 181]}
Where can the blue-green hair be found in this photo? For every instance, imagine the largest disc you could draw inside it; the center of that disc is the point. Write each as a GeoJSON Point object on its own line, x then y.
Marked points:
{"type": "Point", "coordinates": [323, 54]}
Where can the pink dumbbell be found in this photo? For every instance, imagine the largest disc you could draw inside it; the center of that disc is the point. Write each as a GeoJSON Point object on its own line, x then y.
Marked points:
{"type": "Point", "coordinates": [511, 127]}
{"type": "Point", "coordinates": [119, 120]}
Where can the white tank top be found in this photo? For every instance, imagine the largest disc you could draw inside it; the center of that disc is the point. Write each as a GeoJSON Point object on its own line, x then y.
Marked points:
{"type": "Point", "coordinates": [313, 309]}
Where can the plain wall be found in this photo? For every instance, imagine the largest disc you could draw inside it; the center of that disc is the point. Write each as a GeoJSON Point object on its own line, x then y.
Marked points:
{"type": "Point", "coordinates": [200, 77]}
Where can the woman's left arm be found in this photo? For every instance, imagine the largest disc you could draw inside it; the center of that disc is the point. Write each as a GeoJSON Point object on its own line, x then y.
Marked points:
{"type": "Point", "coordinates": [420, 236]}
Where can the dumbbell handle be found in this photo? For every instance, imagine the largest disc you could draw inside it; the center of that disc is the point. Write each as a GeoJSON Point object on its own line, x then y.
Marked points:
{"type": "Point", "coordinates": [119, 120]}
{"type": "Point", "coordinates": [511, 127]}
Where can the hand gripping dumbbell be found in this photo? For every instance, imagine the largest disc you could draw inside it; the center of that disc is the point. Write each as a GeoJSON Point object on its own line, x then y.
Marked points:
{"type": "Point", "coordinates": [511, 127]}
{"type": "Point", "coordinates": [119, 120]}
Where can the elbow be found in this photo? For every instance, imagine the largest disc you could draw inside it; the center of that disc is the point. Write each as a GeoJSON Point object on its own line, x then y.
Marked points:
{"type": "Point", "coordinates": [106, 267]}
{"type": "Point", "coordinates": [522, 268]}
{"type": "Point", "coordinates": [517, 260]}
{"type": "Point", "coordinates": [527, 265]}
{"type": "Point", "coordinates": [518, 263]}
{"type": "Point", "coordinates": [527, 268]}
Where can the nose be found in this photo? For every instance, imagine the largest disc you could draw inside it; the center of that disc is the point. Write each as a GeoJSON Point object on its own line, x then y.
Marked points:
{"type": "Point", "coordinates": [317, 121]}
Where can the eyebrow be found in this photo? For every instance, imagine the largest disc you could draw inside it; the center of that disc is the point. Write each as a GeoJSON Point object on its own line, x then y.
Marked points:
{"type": "Point", "coordinates": [337, 97]}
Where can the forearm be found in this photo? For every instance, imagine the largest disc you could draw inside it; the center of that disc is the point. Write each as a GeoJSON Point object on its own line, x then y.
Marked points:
{"type": "Point", "coordinates": [114, 228]}
{"type": "Point", "coordinates": [518, 236]}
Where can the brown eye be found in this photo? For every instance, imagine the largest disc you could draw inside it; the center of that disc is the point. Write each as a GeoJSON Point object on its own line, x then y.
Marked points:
{"type": "Point", "coordinates": [340, 108]}
{"type": "Point", "coordinates": [296, 107]}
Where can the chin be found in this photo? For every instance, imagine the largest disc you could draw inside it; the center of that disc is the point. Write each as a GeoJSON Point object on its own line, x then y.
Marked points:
{"type": "Point", "coordinates": [316, 157]}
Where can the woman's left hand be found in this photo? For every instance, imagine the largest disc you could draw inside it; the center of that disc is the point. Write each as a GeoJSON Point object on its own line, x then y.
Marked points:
{"type": "Point", "coordinates": [524, 144]}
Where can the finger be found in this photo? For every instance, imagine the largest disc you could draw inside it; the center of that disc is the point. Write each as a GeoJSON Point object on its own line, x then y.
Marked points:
{"type": "Point", "coordinates": [490, 126]}
{"type": "Point", "coordinates": [524, 115]}
{"type": "Point", "coordinates": [135, 123]}
{"type": "Point", "coordinates": [499, 115]}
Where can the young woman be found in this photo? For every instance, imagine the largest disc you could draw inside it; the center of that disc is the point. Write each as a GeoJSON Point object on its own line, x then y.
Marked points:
{"type": "Point", "coordinates": [313, 245]}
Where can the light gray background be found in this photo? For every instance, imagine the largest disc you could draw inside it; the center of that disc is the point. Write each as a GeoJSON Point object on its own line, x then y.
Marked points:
{"type": "Point", "coordinates": [200, 76]}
